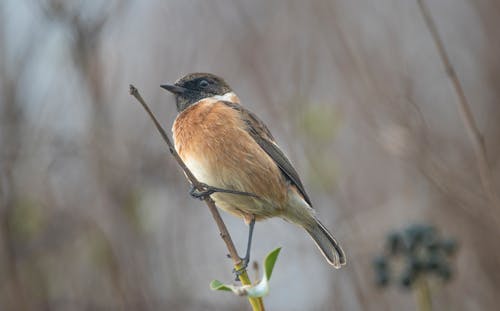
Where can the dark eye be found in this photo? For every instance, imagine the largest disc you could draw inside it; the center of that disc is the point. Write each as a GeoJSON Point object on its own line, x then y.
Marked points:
{"type": "Point", "coordinates": [203, 84]}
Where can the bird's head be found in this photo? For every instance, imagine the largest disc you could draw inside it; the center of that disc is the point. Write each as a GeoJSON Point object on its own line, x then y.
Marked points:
{"type": "Point", "coordinates": [195, 87]}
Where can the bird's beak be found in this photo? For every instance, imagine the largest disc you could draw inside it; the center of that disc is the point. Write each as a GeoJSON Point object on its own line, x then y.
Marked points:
{"type": "Point", "coordinates": [174, 89]}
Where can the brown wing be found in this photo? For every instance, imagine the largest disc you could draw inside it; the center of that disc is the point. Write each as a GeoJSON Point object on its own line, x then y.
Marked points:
{"type": "Point", "coordinates": [261, 134]}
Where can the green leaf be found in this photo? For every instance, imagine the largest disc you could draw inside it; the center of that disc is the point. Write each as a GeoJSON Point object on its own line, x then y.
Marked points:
{"type": "Point", "coordinates": [258, 290]}
{"type": "Point", "coordinates": [270, 261]}
{"type": "Point", "coordinates": [218, 285]}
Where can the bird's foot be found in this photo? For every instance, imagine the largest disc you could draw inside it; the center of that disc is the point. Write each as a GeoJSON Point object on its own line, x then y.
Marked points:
{"type": "Point", "coordinates": [202, 191]}
{"type": "Point", "coordinates": [244, 265]}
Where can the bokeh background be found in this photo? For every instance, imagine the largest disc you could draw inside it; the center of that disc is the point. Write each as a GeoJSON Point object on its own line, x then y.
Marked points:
{"type": "Point", "coordinates": [95, 214]}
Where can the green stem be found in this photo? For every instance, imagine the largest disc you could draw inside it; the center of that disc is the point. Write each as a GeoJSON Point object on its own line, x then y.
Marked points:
{"type": "Point", "coordinates": [257, 303]}
{"type": "Point", "coordinates": [423, 295]}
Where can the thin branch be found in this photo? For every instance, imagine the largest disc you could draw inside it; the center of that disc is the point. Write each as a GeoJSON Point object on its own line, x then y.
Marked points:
{"type": "Point", "coordinates": [465, 111]}
{"type": "Point", "coordinates": [257, 303]}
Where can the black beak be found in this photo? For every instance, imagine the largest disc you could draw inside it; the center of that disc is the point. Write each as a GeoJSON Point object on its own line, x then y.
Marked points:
{"type": "Point", "coordinates": [174, 89]}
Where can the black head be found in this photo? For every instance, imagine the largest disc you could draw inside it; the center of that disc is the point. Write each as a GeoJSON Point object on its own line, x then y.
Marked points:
{"type": "Point", "coordinates": [195, 87]}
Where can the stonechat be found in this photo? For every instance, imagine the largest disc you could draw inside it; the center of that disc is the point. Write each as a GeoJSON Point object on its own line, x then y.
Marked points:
{"type": "Point", "coordinates": [231, 150]}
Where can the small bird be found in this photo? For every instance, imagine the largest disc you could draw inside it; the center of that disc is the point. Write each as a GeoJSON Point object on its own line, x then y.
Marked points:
{"type": "Point", "coordinates": [232, 151]}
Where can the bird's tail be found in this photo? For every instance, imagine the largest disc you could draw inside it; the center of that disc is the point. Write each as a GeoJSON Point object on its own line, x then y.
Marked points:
{"type": "Point", "coordinates": [327, 244]}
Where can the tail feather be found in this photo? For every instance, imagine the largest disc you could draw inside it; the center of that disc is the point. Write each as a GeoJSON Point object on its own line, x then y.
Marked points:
{"type": "Point", "coordinates": [327, 244]}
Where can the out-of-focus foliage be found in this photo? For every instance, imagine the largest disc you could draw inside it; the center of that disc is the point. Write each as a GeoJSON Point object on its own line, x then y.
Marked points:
{"type": "Point", "coordinates": [95, 215]}
{"type": "Point", "coordinates": [415, 253]}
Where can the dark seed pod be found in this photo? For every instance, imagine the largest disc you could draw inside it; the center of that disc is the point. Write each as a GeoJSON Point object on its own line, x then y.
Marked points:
{"type": "Point", "coordinates": [382, 278]}
{"type": "Point", "coordinates": [394, 243]}
{"type": "Point", "coordinates": [380, 263]}
{"type": "Point", "coordinates": [423, 253]}
{"type": "Point", "coordinates": [415, 264]}
{"type": "Point", "coordinates": [433, 262]}
{"type": "Point", "coordinates": [416, 233]}
{"type": "Point", "coordinates": [407, 279]}
{"type": "Point", "coordinates": [410, 244]}
{"type": "Point", "coordinates": [432, 245]}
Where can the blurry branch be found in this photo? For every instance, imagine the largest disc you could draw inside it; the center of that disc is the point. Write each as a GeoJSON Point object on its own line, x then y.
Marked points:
{"type": "Point", "coordinates": [465, 111]}
{"type": "Point", "coordinates": [257, 303]}
{"type": "Point", "coordinates": [13, 68]}
{"type": "Point", "coordinates": [85, 23]}
{"type": "Point", "coordinates": [86, 37]}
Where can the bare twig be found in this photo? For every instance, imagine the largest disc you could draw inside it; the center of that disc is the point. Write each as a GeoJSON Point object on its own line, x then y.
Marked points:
{"type": "Point", "coordinates": [465, 111]}
{"type": "Point", "coordinates": [257, 303]}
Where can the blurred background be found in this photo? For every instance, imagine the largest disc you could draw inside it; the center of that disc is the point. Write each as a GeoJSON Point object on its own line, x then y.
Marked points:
{"type": "Point", "coordinates": [95, 214]}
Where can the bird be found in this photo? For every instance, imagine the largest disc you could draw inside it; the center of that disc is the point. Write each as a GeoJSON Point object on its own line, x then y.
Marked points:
{"type": "Point", "coordinates": [231, 151]}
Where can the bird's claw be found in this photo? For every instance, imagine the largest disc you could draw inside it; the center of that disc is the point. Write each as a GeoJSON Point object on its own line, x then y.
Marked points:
{"type": "Point", "coordinates": [201, 192]}
{"type": "Point", "coordinates": [239, 271]}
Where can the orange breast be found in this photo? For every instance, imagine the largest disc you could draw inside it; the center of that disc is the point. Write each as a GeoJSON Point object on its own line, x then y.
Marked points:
{"type": "Point", "coordinates": [212, 140]}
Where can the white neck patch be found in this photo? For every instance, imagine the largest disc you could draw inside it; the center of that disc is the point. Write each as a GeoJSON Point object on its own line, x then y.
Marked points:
{"type": "Point", "coordinates": [229, 96]}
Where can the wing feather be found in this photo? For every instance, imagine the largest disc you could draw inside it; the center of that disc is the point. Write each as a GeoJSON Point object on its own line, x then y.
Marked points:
{"type": "Point", "coordinates": [261, 134]}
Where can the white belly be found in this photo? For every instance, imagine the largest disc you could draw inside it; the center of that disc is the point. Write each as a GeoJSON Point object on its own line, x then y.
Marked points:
{"type": "Point", "coordinates": [199, 171]}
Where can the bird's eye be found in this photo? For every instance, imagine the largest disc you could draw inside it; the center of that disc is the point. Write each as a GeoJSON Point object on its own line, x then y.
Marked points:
{"type": "Point", "coordinates": [203, 83]}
